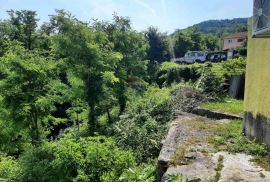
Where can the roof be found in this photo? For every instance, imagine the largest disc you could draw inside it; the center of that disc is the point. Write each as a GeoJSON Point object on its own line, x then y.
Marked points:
{"type": "Point", "coordinates": [237, 35]}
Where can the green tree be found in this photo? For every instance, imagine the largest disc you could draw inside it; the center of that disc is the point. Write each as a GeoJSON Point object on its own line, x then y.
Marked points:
{"type": "Point", "coordinates": [25, 22]}
{"type": "Point", "coordinates": [211, 42]}
{"type": "Point", "coordinates": [133, 46]}
{"type": "Point", "coordinates": [158, 45]}
{"type": "Point", "coordinates": [197, 39]}
{"type": "Point", "coordinates": [28, 89]}
{"type": "Point", "coordinates": [182, 44]}
{"type": "Point", "coordinates": [89, 54]}
{"type": "Point", "coordinates": [7, 33]}
{"type": "Point", "coordinates": [193, 40]}
{"type": "Point", "coordinates": [241, 28]}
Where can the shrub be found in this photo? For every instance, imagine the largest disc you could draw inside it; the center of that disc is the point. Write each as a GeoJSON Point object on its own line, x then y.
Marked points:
{"type": "Point", "coordinates": [234, 67]}
{"type": "Point", "coordinates": [144, 173]}
{"type": "Point", "coordinates": [169, 65]}
{"type": "Point", "coordinates": [9, 168]}
{"type": "Point", "coordinates": [209, 83]}
{"type": "Point", "coordinates": [142, 127]}
{"type": "Point", "coordinates": [85, 159]}
{"type": "Point", "coordinates": [144, 138]}
{"type": "Point", "coordinates": [172, 72]}
{"type": "Point", "coordinates": [155, 101]}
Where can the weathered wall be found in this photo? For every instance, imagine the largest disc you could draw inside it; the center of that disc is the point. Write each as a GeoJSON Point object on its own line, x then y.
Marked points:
{"type": "Point", "coordinates": [257, 88]}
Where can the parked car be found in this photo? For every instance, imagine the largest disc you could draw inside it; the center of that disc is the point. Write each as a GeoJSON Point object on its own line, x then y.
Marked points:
{"type": "Point", "coordinates": [201, 57]}
{"type": "Point", "coordinates": [216, 56]}
{"type": "Point", "coordinates": [192, 57]}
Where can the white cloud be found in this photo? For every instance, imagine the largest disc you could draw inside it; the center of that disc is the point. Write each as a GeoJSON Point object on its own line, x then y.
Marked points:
{"type": "Point", "coordinates": [146, 6]}
{"type": "Point", "coordinates": [103, 8]}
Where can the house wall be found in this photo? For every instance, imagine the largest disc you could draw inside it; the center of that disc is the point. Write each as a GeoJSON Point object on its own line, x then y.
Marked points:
{"type": "Point", "coordinates": [257, 89]}
{"type": "Point", "coordinates": [231, 45]}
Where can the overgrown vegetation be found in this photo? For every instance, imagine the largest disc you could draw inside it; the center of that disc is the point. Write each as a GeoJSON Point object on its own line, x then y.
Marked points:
{"type": "Point", "coordinates": [92, 101]}
{"type": "Point", "coordinates": [76, 104]}
{"type": "Point", "coordinates": [144, 124]}
{"type": "Point", "coordinates": [210, 78]}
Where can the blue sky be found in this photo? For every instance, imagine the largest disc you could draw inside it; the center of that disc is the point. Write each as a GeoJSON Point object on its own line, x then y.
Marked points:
{"type": "Point", "coordinates": [167, 15]}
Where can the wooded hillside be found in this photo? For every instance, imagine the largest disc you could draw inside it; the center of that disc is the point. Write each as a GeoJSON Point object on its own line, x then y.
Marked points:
{"type": "Point", "coordinates": [221, 27]}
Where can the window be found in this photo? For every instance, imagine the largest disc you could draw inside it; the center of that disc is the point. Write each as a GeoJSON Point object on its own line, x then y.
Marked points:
{"type": "Point", "coordinates": [192, 54]}
{"type": "Point", "coordinates": [223, 56]}
{"type": "Point", "coordinates": [200, 54]}
{"type": "Point", "coordinates": [240, 40]}
{"type": "Point", "coordinates": [230, 41]}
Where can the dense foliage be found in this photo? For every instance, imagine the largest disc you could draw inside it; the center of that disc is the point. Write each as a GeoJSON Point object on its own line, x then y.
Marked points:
{"type": "Point", "coordinates": [193, 40]}
{"type": "Point", "coordinates": [209, 78]}
{"type": "Point", "coordinates": [144, 123]}
{"type": "Point", "coordinates": [80, 102]}
{"type": "Point", "coordinates": [75, 103]}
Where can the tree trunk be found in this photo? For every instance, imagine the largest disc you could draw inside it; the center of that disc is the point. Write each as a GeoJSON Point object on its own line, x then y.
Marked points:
{"type": "Point", "coordinates": [91, 119]}
{"type": "Point", "coordinates": [35, 137]}
{"type": "Point", "coordinates": [122, 100]}
{"type": "Point", "coordinates": [109, 116]}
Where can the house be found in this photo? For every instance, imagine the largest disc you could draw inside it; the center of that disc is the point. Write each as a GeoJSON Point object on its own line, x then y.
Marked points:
{"type": "Point", "coordinates": [257, 88]}
{"type": "Point", "coordinates": [234, 41]}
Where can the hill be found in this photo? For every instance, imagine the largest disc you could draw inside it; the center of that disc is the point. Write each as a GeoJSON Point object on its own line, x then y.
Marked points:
{"type": "Point", "coordinates": [221, 27]}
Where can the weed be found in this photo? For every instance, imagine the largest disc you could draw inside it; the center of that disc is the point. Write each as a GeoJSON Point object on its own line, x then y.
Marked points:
{"type": "Point", "coordinates": [179, 156]}
{"type": "Point", "coordinates": [229, 137]}
{"type": "Point", "coordinates": [218, 169]}
{"type": "Point", "coordinates": [180, 178]}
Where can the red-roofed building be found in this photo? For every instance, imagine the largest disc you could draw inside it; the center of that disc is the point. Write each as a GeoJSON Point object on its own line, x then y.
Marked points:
{"type": "Point", "coordinates": [234, 41]}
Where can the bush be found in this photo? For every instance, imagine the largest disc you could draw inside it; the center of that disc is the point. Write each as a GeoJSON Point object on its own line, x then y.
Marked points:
{"type": "Point", "coordinates": [220, 72]}
{"type": "Point", "coordinates": [85, 159]}
{"type": "Point", "coordinates": [172, 72]}
{"type": "Point", "coordinates": [209, 83]}
{"type": "Point", "coordinates": [144, 138]}
{"type": "Point", "coordinates": [234, 67]}
{"type": "Point", "coordinates": [142, 127]}
{"type": "Point", "coordinates": [155, 101]}
{"type": "Point", "coordinates": [139, 174]}
{"type": "Point", "coordinates": [9, 168]}
{"type": "Point", "coordinates": [169, 65]}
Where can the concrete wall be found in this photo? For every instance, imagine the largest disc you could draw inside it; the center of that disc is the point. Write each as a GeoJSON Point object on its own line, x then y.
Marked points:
{"type": "Point", "coordinates": [257, 88]}
{"type": "Point", "coordinates": [237, 86]}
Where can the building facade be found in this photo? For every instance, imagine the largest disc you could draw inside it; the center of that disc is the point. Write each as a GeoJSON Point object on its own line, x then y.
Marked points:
{"type": "Point", "coordinates": [257, 89]}
{"type": "Point", "coordinates": [234, 41]}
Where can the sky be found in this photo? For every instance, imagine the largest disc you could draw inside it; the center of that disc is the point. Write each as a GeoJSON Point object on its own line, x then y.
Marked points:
{"type": "Point", "coordinates": [167, 15]}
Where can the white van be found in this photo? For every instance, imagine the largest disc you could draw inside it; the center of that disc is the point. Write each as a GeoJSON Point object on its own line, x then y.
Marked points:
{"type": "Point", "coordinates": [194, 56]}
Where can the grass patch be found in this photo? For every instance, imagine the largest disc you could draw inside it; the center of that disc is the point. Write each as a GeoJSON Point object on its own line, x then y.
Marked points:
{"type": "Point", "coordinates": [226, 105]}
{"type": "Point", "coordinates": [229, 137]}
